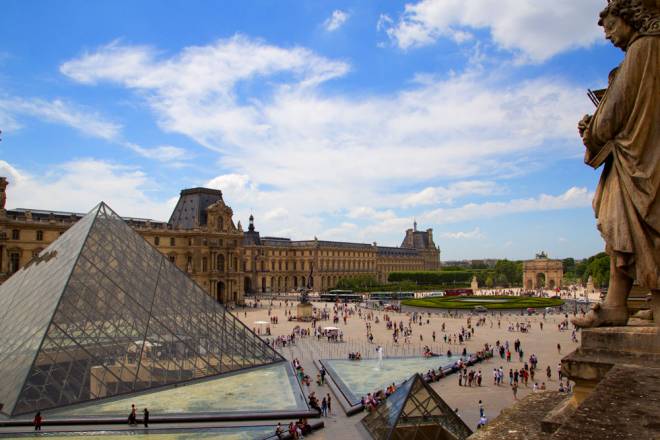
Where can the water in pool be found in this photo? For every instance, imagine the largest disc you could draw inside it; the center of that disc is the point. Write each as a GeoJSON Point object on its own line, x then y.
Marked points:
{"type": "Point", "coordinates": [233, 433]}
{"type": "Point", "coordinates": [358, 378]}
{"type": "Point", "coordinates": [269, 388]}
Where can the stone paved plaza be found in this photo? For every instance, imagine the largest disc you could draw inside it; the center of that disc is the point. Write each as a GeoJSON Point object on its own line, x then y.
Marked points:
{"type": "Point", "coordinates": [542, 343]}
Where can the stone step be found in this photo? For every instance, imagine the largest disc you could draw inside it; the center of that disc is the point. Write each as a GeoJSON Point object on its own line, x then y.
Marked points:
{"type": "Point", "coordinates": [622, 339]}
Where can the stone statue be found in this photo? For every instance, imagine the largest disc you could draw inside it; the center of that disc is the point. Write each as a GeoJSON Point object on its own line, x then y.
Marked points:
{"type": "Point", "coordinates": [3, 194]}
{"type": "Point", "coordinates": [474, 284]}
{"type": "Point", "coordinates": [624, 136]}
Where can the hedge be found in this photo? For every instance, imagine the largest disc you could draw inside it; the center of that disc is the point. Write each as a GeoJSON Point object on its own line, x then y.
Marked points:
{"type": "Point", "coordinates": [440, 277]}
{"type": "Point", "coordinates": [454, 302]}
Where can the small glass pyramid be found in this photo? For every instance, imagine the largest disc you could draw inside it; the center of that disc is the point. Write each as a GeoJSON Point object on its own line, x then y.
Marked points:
{"type": "Point", "coordinates": [100, 313]}
{"type": "Point", "coordinates": [415, 411]}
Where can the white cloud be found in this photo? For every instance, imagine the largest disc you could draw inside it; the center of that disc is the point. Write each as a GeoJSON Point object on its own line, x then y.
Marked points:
{"type": "Point", "coordinates": [573, 198]}
{"type": "Point", "coordinates": [469, 235]}
{"type": "Point", "coordinates": [84, 120]}
{"type": "Point", "coordinates": [536, 30]}
{"type": "Point", "coordinates": [370, 213]}
{"type": "Point", "coordinates": [58, 111]}
{"type": "Point", "coordinates": [277, 213]}
{"type": "Point", "coordinates": [161, 153]}
{"type": "Point", "coordinates": [336, 20]}
{"type": "Point", "coordinates": [384, 22]}
{"type": "Point", "coordinates": [311, 152]}
{"type": "Point", "coordinates": [438, 194]}
{"type": "Point", "coordinates": [81, 184]}
{"type": "Point", "coordinates": [339, 232]}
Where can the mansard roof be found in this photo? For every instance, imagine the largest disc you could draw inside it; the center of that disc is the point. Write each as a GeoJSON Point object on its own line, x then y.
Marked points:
{"type": "Point", "coordinates": [190, 210]}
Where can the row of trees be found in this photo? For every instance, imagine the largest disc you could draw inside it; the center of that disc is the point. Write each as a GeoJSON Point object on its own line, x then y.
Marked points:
{"type": "Point", "coordinates": [597, 266]}
{"type": "Point", "coordinates": [506, 273]}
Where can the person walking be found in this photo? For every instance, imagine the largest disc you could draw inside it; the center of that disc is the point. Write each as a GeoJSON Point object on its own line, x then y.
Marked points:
{"type": "Point", "coordinates": [514, 388]}
{"type": "Point", "coordinates": [329, 403]}
{"type": "Point", "coordinates": [38, 421]}
{"type": "Point", "coordinates": [548, 372]}
{"type": "Point", "coordinates": [132, 417]}
{"type": "Point", "coordinates": [324, 407]}
{"type": "Point", "coordinates": [145, 418]}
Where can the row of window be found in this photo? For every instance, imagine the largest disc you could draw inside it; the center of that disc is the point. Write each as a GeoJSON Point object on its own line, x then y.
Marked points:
{"type": "Point", "coordinates": [190, 242]}
{"type": "Point", "coordinates": [16, 235]}
{"type": "Point", "coordinates": [296, 253]}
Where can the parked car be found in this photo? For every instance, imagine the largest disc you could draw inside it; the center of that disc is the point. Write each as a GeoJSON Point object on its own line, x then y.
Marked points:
{"type": "Point", "coordinates": [531, 311]}
{"type": "Point", "coordinates": [480, 309]}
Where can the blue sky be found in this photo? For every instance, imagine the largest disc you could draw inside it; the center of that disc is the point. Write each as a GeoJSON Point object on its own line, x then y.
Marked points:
{"type": "Point", "coordinates": [343, 120]}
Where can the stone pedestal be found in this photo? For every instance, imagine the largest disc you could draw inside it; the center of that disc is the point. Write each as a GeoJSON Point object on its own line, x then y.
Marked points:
{"type": "Point", "coordinates": [304, 312]}
{"type": "Point", "coordinates": [602, 348]}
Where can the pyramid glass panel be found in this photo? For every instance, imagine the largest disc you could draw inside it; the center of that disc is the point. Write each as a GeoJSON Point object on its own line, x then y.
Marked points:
{"type": "Point", "coordinates": [103, 313]}
{"type": "Point", "coordinates": [27, 303]}
{"type": "Point", "coordinates": [415, 411]}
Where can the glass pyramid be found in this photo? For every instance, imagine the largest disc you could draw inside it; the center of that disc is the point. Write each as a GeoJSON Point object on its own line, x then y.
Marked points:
{"type": "Point", "coordinates": [100, 313]}
{"type": "Point", "coordinates": [415, 411]}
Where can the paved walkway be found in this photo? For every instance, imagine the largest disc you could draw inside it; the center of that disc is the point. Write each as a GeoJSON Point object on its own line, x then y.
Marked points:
{"type": "Point", "coordinates": [542, 343]}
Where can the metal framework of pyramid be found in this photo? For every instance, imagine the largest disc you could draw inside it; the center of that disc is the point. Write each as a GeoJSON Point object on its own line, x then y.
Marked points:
{"type": "Point", "coordinates": [100, 313]}
{"type": "Point", "coordinates": [415, 411]}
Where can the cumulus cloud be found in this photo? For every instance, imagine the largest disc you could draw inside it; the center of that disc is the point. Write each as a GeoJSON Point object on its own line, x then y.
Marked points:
{"type": "Point", "coordinates": [339, 232]}
{"type": "Point", "coordinates": [534, 30]}
{"type": "Point", "coordinates": [370, 213]}
{"type": "Point", "coordinates": [81, 184]}
{"type": "Point", "coordinates": [277, 213]}
{"type": "Point", "coordinates": [469, 235]}
{"type": "Point", "coordinates": [433, 195]}
{"type": "Point", "coordinates": [336, 20]}
{"type": "Point", "coordinates": [574, 197]}
{"type": "Point", "coordinates": [309, 151]}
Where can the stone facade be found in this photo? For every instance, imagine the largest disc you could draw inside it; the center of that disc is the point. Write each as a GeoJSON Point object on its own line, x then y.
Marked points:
{"type": "Point", "coordinates": [202, 239]}
{"type": "Point", "coordinates": [542, 272]}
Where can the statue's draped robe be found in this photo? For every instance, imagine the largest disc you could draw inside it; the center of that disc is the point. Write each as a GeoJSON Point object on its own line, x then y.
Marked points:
{"type": "Point", "coordinates": [625, 135]}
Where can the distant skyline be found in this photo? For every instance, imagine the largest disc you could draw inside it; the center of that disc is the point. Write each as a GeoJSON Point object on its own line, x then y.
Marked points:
{"type": "Point", "coordinates": [343, 120]}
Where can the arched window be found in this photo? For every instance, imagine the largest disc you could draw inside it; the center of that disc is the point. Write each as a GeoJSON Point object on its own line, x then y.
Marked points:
{"type": "Point", "coordinates": [220, 263]}
{"type": "Point", "coordinates": [221, 224]}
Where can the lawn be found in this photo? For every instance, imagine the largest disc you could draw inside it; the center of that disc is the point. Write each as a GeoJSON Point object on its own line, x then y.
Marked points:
{"type": "Point", "coordinates": [490, 302]}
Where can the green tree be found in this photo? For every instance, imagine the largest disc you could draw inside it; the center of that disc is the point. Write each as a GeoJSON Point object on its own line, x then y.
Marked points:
{"type": "Point", "coordinates": [598, 267]}
{"type": "Point", "coordinates": [509, 270]}
{"type": "Point", "coordinates": [489, 281]}
{"type": "Point", "coordinates": [568, 265]}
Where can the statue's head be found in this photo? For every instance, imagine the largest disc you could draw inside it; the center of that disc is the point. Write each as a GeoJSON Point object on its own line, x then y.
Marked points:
{"type": "Point", "coordinates": [622, 19]}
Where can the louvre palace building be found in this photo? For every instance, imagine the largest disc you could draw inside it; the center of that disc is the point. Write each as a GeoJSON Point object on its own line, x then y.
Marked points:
{"type": "Point", "coordinates": [202, 239]}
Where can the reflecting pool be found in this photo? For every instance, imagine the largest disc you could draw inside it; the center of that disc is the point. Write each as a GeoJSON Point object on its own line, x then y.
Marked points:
{"type": "Point", "coordinates": [358, 378]}
{"type": "Point", "coordinates": [264, 389]}
{"type": "Point", "coordinates": [229, 433]}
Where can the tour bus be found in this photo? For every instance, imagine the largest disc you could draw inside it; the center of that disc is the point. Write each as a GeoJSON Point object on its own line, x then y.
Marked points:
{"type": "Point", "coordinates": [387, 296]}
{"type": "Point", "coordinates": [458, 292]}
{"type": "Point", "coordinates": [438, 294]}
{"type": "Point", "coordinates": [343, 296]}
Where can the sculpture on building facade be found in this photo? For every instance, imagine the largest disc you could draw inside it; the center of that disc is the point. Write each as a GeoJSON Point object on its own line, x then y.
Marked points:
{"type": "Point", "coordinates": [3, 194]}
{"type": "Point", "coordinates": [624, 136]}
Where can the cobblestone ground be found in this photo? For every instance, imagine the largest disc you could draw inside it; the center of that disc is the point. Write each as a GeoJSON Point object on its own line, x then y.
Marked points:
{"type": "Point", "coordinates": [542, 343]}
